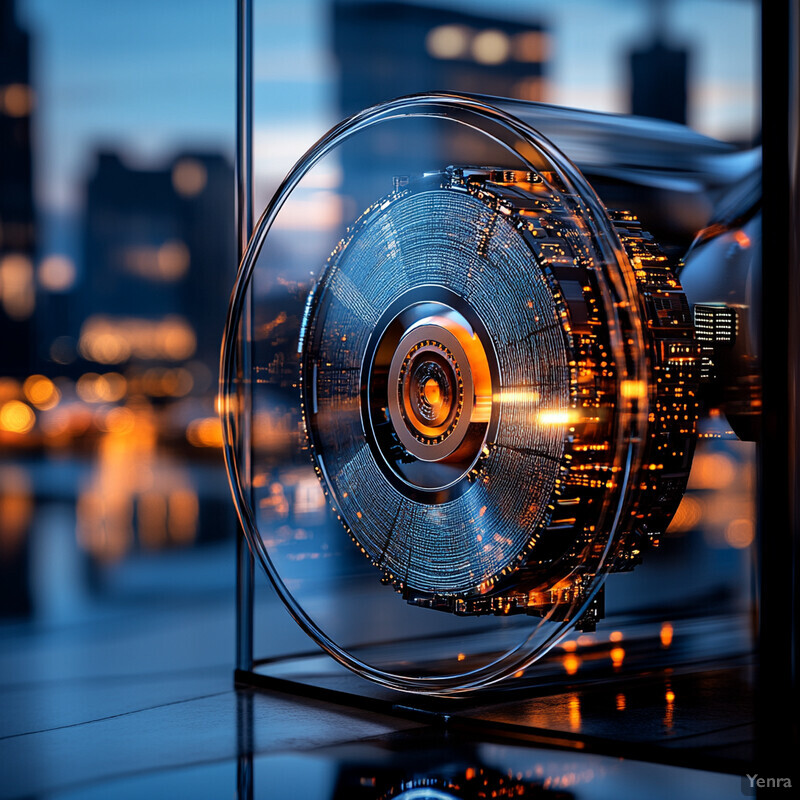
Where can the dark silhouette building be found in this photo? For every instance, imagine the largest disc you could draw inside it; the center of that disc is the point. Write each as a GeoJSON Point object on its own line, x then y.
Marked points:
{"type": "Point", "coordinates": [17, 291]}
{"type": "Point", "coordinates": [17, 223]}
{"type": "Point", "coordinates": [659, 82]}
{"type": "Point", "coordinates": [159, 245]}
{"type": "Point", "coordinates": [659, 72]}
{"type": "Point", "coordinates": [388, 49]}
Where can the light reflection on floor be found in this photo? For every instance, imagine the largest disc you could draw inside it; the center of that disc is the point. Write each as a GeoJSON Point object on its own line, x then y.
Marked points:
{"type": "Point", "coordinates": [424, 769]}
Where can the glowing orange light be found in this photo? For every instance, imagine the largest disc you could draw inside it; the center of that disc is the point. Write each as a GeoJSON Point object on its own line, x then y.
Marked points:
{"type": "Point", "coordinates": [616, 636]}
{"type": "Point", "coordinates": [17, 292]}
{"type": "Point", "coordinates": [16, 417]}
{"type": "Point", "coordinates": [56, 273]}
{"type": "Point", "coordinates": [742, 239]}
{"type": "Point", "coordinates": [183, 508]}
{"type": "Point", "coordinates": [617, 656]}
{"type": "Point", "coordinates": [189, 177]}
{"type": "Point", "coordinates": [571, 664]}
{"type": "Point", "coordinates": [574, 713]}
{"type": "Point", "coordinates": [119, 420]}
{"type": "Point", "coordinates": [670, 696]}
{"type": "Point", "coordinates": [266, 329]}
{"type": "Point", "coordinates": [532, 47]}
{"type": "Point", "coordinates": [94, 388]}
{"type": "Point", "coordinates": [556, 417]}
{"type": "Point", "coordinates": [41, 392]}
{"type": "Point", "coordinates": [9, 389]}
{"type": "Point", "coordinates": [17, 100]}
{"type": "Point", "coordinates": [712, 471]}
{"type": "Point", "coordinates": [432, 391]}
{"type": "Point", "coordinates": [740, 533]}
{"type": "Point", "coordinates": [128, 484]}
{"type": "Point", "coordinates": [688, 515]}
{"type": "Point", "coordinates": [666, 634]}
{"type": "Point", "coordinates": [205, 432]}
{"type": "Point", "coordinates": [633, 389]}
{"type": "Point", "coordinates": [517, 396]}
{"type": "Point", "coordinates": [16, 507]}
{"type": "Point", "coordinates": [109, 340]}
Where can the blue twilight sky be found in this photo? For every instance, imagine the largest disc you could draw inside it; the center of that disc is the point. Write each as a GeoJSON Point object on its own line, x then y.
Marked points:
{"type": "Point", "coordinates": [155, 76]}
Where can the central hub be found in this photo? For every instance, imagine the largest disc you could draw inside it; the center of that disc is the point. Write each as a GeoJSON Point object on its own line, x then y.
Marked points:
{"type": "Point", "coordinates": [434, 388]}
{"type": "Point", "coordinates": [432, 392]}
{"type": "Point", "coordinates": [429, 390]}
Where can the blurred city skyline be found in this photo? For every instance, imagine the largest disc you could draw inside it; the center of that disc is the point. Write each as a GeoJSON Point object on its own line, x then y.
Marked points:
{"type": "Point", "coordinates": [95, 88]}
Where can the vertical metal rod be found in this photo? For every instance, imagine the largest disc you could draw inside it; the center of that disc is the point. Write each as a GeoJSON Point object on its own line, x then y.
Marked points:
{"type": "Point", "coordinates": [777, 725]}
{"type": "Point", "coordinates": [245, 576]}
{"type": "Point", "coordinates": [245, 777]}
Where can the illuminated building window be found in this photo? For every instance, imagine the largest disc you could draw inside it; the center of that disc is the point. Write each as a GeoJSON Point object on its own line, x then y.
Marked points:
{"type": "Point", "coordinates": [531, 47]}
{"type": "Point", "coordinates": [448, 41]}
{"type": "Point", "coordinates": [17, 100]}
{"type": "Point", "coordinates": [17, 293]}
{"type": "Point", "coordinates": [56, 273]}
{"type": "Point", "coordinates": [189, 177]}
{"type": "Point", "coordinates": [491, 47]}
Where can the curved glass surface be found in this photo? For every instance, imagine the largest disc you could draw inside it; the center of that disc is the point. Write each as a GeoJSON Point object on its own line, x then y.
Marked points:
{"type": "Point", "coordinates": [442, 444]}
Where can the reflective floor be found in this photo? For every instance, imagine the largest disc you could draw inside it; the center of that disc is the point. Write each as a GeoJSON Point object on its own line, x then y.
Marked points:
{"type": "Point", "coordinates": [417, 766]}
{"type": "Point", "coordinates": [302, 751]}
{"type": "Point", "coordinates": [133, 697]}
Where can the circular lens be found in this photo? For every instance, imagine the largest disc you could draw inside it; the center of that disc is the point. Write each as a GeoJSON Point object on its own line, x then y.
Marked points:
{"type": "Point", "coordinates": [453, 366]}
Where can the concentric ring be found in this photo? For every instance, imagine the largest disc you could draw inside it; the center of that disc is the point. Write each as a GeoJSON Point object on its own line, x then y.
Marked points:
{"type": "Point", "coordinates": [444, 506]}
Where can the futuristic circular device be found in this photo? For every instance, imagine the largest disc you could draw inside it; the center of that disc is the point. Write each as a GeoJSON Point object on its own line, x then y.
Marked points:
{"type": "Point", "coordinates": [494, 376]}
{"type": "Point", "coordinates": [461, 393]}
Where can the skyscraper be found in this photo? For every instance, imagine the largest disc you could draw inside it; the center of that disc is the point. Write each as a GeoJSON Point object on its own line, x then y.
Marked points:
{"type": "Point", "coordinates": [659, 72]}
{"type": "Point", "coordinates": [388, 49]}
{"type": "Point", "coordinates": [17, 225]}
{"type": "Point", "coordinates": [159, 254]}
